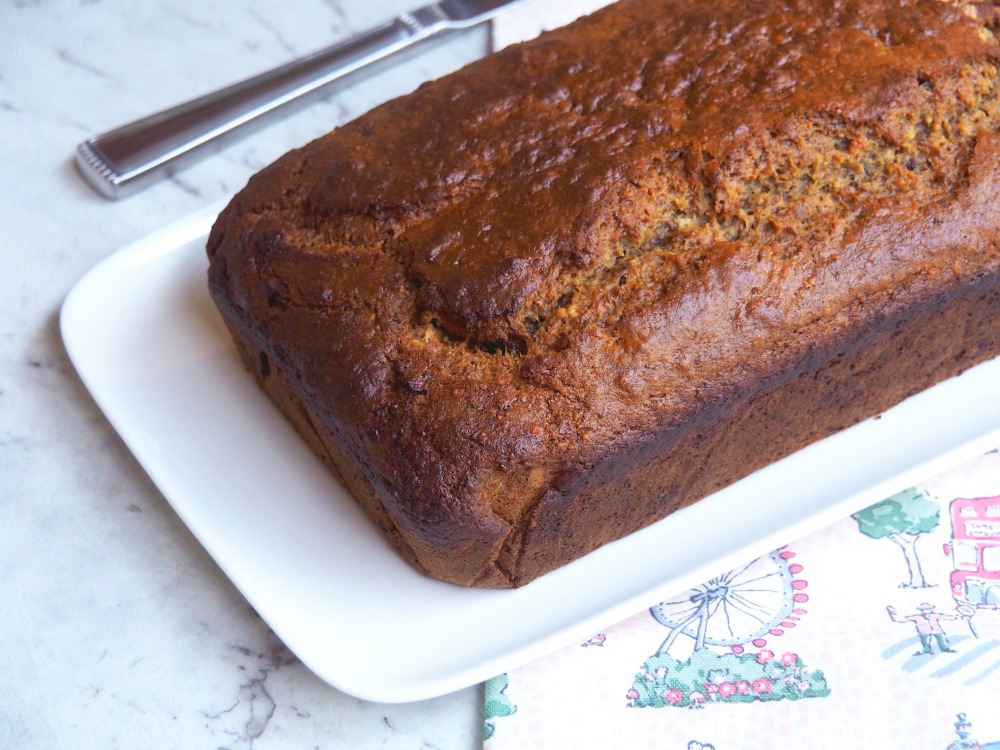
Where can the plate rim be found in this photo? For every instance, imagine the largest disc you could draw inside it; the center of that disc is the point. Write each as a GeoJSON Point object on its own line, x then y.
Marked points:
{"type": "Point", "coordinates": [172, 240]}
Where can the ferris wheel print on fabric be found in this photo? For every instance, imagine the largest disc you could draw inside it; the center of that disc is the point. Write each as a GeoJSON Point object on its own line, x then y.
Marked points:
{"type": "Point", "coordinates": [746, 606]}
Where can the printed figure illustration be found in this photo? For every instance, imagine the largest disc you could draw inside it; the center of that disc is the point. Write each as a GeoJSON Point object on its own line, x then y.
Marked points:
{"type": "Point", "coordinates": [975, 552]}
{"type": "Point", "coordinates": [928, 623]}
{"type": "Point", "coordinates": [597, 640]}
{"type": "Point", "coordinates": [695, 745]}
{"type": "Point", "coordinates": [902, 518]}
{"type": "Point", "coordinates": [741, 608]}
{"type": "Point", "coordinates": [963, 728]}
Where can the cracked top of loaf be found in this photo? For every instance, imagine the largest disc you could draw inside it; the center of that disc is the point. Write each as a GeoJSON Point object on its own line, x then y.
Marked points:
{"type": "Point", "coordinates": [491, 285]}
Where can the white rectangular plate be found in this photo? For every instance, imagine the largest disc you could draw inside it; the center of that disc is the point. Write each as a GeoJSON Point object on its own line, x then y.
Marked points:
{"type": "Point", "coordinates": [147, 341]}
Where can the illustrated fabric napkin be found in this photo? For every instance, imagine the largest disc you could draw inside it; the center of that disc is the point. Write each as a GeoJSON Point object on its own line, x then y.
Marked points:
{"type": "Point", "coordinates": [882, 630]}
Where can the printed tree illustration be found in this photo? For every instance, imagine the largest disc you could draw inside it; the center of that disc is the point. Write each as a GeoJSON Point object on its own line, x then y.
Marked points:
{"type": "Point", "coordinates": [902, 518]}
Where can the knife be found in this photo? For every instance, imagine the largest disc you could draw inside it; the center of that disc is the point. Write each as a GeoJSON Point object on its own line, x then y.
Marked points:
{"type": "Point", "coordinates": [124, 160]}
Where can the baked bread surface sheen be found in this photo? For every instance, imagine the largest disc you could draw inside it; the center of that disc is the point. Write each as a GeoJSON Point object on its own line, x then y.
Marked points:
{"type": "Point", "coordinates": [549, 299]}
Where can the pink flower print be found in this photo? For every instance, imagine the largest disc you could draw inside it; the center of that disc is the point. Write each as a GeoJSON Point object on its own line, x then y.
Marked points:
{"type": "Point", "coordinates": [711, 688]}
{"type": "Point", "coordinates": [762, 685]}
{"type": "Point", "coordinates": [727, 690]}
{"type": "Point", "coordinates": [788, 658]}
{"type": "Point", "coordinates": [675, 695]}
{"type": "Point", "coordinates": [763, 657]}
{"type": "Point", "coordinates": [742, 687]}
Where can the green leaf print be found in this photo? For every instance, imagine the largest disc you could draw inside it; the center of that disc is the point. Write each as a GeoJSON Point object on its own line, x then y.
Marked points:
{"type": "Point", "coordinates": [708, 677]}
{"type": "Point", "coordinates": [496, 704]}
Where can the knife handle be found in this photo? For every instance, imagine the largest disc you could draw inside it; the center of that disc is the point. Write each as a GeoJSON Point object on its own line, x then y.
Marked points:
{"type": "Point", "coordinates": [121, 161]}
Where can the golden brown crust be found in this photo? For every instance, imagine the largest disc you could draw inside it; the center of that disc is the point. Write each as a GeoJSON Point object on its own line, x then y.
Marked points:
{"type": "Point", "coordinates": [563, 271]}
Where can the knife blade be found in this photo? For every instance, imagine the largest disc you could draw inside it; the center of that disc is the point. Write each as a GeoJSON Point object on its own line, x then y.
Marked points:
{"type": "Point", "coordinates": [121, 161]}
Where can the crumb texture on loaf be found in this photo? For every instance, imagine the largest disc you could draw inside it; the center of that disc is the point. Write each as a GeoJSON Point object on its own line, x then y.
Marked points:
{"type": "Point", "coordinates": [498, 298]}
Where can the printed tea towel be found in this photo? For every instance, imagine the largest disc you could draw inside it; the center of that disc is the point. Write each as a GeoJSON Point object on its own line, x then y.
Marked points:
{"type": "Point", "coordinates": [882, 630]}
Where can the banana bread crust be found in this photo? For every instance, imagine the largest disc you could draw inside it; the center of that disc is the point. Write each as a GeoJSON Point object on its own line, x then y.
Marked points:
{"type": "Point", "coordinates": [547, 300]}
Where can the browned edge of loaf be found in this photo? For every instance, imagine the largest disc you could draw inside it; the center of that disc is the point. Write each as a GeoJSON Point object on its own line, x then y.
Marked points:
{"type": "Point", "coordinates": [271, 377]}
{"type": "Point", "coordinates": [281, 390]}
{"type": "Point", "coordinates": [896, 359]}
{"type": "Point", "coordinates": [835, 389]}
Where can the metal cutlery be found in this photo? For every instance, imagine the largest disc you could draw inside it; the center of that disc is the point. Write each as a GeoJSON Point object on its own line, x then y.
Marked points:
{"type": "Point", "coordinates": [121, 161]}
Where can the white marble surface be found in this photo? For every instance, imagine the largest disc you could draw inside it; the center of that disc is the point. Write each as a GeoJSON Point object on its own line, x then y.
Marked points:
{"type": "Point", "coordinates": [116, 628]}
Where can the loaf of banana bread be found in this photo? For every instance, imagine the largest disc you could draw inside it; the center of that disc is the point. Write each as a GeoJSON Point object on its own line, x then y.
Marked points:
{"type": "Point", "coordinates": [551, 298]}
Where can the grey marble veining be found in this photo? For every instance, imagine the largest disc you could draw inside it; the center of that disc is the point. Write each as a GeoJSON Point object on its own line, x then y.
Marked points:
{"type": "Point", "coordinates": [116, 628]}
